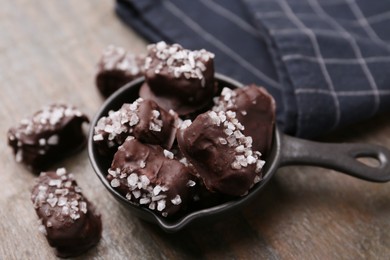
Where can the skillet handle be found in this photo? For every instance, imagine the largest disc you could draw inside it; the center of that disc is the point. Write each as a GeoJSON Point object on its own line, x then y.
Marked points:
{"type": "Point", "coordinates": [340, 157]}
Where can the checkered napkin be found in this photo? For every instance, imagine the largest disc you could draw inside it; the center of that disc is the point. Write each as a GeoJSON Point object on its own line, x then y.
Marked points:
{"type": "Point", "coordinates": [326, 62]}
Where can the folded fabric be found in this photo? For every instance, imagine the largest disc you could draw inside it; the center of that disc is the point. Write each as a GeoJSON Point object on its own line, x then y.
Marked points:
{"type": "Point", "coordinates": [326, 62]}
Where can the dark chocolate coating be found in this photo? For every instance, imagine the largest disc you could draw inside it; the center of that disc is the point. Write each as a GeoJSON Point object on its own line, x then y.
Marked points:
{"type": "Point", "coordinates": [179, 79]}
{"type": "Point", "coordinates": [66, 217]}
{"type": "Point", "coordinates": [47, 136]}
{"type": "Point", "coordinates": [116, 68]}
{"type": "Point", "coordinates": [143, 119]}
{"type": "Point", "coordinates": [151, 177]}
{"type": "Point", "coordinates": [222, 157]}
{"type": "Point", "coordinates": [255, 109]}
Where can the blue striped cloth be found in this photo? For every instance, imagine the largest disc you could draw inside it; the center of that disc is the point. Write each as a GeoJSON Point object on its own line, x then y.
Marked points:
{"type": "Point", "coordinates": [326, 62]}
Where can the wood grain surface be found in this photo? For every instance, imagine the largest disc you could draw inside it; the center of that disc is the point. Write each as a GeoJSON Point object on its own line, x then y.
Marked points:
{"type": "Point", "coordinates": [48, 52]}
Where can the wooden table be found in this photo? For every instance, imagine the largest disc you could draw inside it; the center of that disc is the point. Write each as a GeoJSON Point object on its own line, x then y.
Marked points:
{"type": "Point", "coordinates": [48, 52]}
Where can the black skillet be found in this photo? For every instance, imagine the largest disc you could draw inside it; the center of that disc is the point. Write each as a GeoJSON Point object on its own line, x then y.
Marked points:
{"type": "Point", "coordinates": [286, 150]}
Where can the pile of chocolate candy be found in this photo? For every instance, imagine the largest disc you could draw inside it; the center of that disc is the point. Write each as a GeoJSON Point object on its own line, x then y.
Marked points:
{"type": "Point", "coordinates": [186, 141]}
{"type": "Point", "coordinates": [68, 220]}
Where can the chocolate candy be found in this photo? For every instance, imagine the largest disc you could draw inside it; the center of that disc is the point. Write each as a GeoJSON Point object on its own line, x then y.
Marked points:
{"type": "Point", "coordinates": [47, 136]}
{"type": "Point", "coordinates": [151, 177]}
{"type": "Point", "coordinates": [255, 109]}
{"type": "Point", "coordinates": [221, 153]}
{"type": "Point", "coordinates": [143, 119]}
{"type": "Point", "coordinates": [116, 68]}
{"type": "Point", "coordinates": [179, 79]}
{"type": "Point", "coordinates": [66, 217]}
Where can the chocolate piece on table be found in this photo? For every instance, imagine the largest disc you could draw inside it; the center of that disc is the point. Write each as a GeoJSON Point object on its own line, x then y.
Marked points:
{"type": "Point", "coordinates": [143, 119]}
{"type": "Point", "coordinates": [66, 217]}
{"type": "Point", "coordinates": [221, 153]}
{"type": "Point", "coordinates": [152, 177]}
{"type": "Point", "coordinates": [47, 136]}
{"type": "Point", "coordinates": [179, 79]}
{"type": "Point", "coordinates": [116, 68]}
{"type": "Point", "coordinates": [255, 109]}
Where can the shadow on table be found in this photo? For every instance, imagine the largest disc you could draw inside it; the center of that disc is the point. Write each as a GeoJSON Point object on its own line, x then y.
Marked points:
{"type": "Point", "coordinates": [295, 195]}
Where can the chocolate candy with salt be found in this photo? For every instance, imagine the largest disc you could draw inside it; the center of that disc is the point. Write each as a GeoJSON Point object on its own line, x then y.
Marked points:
{"type": "Point", "coordinates": [116, 68]}
{"type": "Point", "coordinates": [66, 217]}
{"type": "Point", "coordinates": [151, 177]}
{"type": "Point", "coordinates": [47, 136]}
{"type": "Point", "coordinates": [143, 119]}
{"type": "Point", "coordinates": [255, 109]}
{"type": "Point", "coordinates": [221, 153]}
{"type": "Point", "coordinates": [179, 79]}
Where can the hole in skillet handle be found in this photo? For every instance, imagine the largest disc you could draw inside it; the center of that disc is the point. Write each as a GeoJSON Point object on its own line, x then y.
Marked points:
{"type": "Point", "coordinates": [373, 162]}
{"type": "Point", "coordinates": [101, 164]}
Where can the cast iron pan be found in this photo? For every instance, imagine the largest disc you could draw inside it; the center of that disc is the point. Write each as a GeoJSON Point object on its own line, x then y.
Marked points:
{"type": "Point", "coordinates": [286, 150]}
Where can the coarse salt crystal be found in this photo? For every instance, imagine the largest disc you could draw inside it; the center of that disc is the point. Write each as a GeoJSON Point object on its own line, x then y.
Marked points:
{"type": "Point", "coordinates": [132, 179]}
{"type": "Point", "coordinates": [83, 207]}
{"type": "Point", "coordinates": [65, 210]}
{"type": "Point", "coordinates": [259, 165]}
{"type": "Point", "coordinates": [112, 172]}
{"type": "Point", "coordinates": [42, 188]}
{"type": "Point", "coordinates": [128, 196]}
{"type": "Point", "coordinates": [56, 182]}
{"type": "Point", "coordinates": [168, 154]}
{"type": "Point", "coordinates": [152, 206]}
{"type": "Point", "coordinates": [158, 197]}
{"type": "Point", "coordinates": [75, 216]}
{"type": "Point", "coordinates": [74, 203]}
{"type": "Point", "coordinates": [157, 189]}
{"type": "Point", "coordinates": [134, 119]}
{"type": "Point", "coordinates": [155, 113]}
{"type": "Point", "coordinates": [133, 106]}
{"type": "Point", "coordinates": [161, 45]}
{"type": "Point", "coordinates": [228, 131]}
{"type": "Point", "coordinates": [62, 201]}
{"type": "Point", "coordinates": [248, 152]}
{"type": "Point", "coordinates": [222, 140]}
{"type": "Point", "coordinates": [236, 165]}
{"type": "Point", "coordinates": [230, 114]}
{"type": "Point", "coordinates": [52, 201]}
{"type": "Point", "coordinates": [61, 171]}
{"type": "Point", "coordinates": [176, 200]}
{"type": "Point", "coordinates": [184, 161]}
{"type": "Point", "coordinates": [42, 141]}
{"type": "Point", "coordinates": [191, 183]}
{"type": "Point", "coordinates": [154, 127]}
{"type": "Point", "coordinates": [144, 181]}
{"type": "Point", "coordinates": [185, 124]}
{"type": "Point", "coordinates": [53, 140]}
{"type": "Point", "coordinates": [144, 200]}
{"type": "Point", "coordinates": [142, 164]}
{"type": "Point", "coordinates": [250, 159]}
{"type": "Point", "coordinates": [136, 193]}
{"type": "Point", "coordinates": [257, 179]}
{"type": "Point", "coordinates": [222, 117]}
{"type": "Point", "coordinates": [214, 118]}
{"type": "Point", "coordinates": [115, 183]}
{"type": "Point", "coordinates": [98, 137]}
{"type": "Point", "coordinates": [161, 205]}
{"type": "Point", "coordinates": [240, 149]}
{"type": "Point", "coordinates": [42, 229]}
